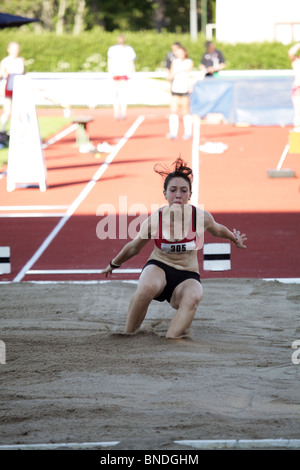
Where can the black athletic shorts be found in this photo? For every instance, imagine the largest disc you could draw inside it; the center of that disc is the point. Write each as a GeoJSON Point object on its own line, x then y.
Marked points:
{"type": "Point", "coordinates": [175, 93]}
{"type": "Point", "coordinates": [173, 277]}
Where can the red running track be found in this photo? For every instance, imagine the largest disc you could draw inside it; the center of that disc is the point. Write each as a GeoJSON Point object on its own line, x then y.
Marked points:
{"type": "Point", "coordinates": [233, 186]}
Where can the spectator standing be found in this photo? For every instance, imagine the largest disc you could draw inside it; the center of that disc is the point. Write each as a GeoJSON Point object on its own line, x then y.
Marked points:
{"type": "Point", "coordinates": [212, 60]}
{"type": "Point", "coordinates": [10, 66]}
{"type": "Point", "coordinates": [171, 55]}
{"type": "Point", "coordinates": [294, 55]}
{"type": "Point", "coordinates": [180, 70]}
{"type": "Point", "coordinates": [121, 58]}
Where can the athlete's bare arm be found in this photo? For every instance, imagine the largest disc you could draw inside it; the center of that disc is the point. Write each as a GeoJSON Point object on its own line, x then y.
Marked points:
{"type": "Point", "coordinates": [219, 230]}
{"type": "Point", "coordinates": [132, 248]}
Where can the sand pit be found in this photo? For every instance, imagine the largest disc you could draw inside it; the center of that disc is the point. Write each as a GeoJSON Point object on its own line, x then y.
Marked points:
{"type": "Point", "coordinates": [71, 375]}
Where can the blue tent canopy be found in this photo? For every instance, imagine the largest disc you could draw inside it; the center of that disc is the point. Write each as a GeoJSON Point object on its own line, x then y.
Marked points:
{"type": "Point", "coordinates": [9, 21]}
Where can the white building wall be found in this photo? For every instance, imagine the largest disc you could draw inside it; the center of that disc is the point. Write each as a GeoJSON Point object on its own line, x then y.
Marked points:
{"type": "Point", "coordinates": [257, 21]}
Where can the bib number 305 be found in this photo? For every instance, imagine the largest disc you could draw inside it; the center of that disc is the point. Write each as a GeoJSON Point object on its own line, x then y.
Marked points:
{"type": "Point", "coordinates": [178, 248]}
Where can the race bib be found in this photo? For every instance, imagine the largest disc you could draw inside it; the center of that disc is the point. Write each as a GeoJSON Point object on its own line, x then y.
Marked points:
{"type": "Point", "coordinates": [178, 247]}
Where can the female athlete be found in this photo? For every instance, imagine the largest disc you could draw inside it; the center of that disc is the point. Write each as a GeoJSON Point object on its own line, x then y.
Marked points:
{"type": "Point", "coordinates": [172, 272]}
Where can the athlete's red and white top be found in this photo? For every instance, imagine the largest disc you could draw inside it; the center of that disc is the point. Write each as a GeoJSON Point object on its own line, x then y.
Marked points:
{"type": "Point", "coordinates": [12, 66]}
{"type": "Point", "coordinates": [191, 242]}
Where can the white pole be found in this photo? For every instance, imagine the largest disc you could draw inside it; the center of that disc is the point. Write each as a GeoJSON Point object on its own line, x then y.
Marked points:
{"type": "Point", "coordinates": [193, 20]}
{"type": "Point", "coordinates": [195, 160]}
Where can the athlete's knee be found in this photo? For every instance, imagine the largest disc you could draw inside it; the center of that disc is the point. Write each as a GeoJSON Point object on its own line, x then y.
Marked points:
{"type": "Point", "coordinates": [192, 298]}
{"type": "Point", "coordinates": [148, 292]}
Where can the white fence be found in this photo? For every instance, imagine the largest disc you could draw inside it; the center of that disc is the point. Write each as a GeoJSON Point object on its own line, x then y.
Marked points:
{"type": "Point", "coordinates": [96, 88]}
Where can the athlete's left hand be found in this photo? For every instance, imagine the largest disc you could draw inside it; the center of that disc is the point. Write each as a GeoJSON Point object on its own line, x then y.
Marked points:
{"type": "Point", "coordinates": [239, 239]}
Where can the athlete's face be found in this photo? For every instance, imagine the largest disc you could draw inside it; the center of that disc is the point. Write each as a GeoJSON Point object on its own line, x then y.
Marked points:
{"type": "Point", "coordinates": [178, 191]}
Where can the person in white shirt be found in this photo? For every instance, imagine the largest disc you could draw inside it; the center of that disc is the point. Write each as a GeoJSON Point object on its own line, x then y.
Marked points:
{"type": "Point", "coordinates": [10, 66]}
{"type": "Point", "coordinates": [121, 58]}
{"type": "Point", "coordinates": [180, 94]}
{"type": "Point", "coordinates": [294, 55]}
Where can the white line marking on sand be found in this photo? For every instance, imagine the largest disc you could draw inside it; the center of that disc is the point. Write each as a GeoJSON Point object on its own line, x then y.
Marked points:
{"type": "Point", "coordinates": [202, 444]}
{"type": "Point", "coordinates": [80, 271]}
{"type": "Point", "coordinates": [80, 198]}
{"type": "Point", "coordinates": [35, 272]}
{"type": "Point", "coordinates": [285, 280]}
{"type": "Point", "coordinates": [241, 443]}
{"type": "Point", "coordinates": [68, 445]}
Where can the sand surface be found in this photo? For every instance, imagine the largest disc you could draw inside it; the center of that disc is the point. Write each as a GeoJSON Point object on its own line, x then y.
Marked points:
{"type": "Point", "coordinates": [71, 375]}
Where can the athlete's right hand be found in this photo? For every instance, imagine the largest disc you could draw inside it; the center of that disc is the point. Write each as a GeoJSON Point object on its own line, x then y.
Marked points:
{"type": "Point", "coordinates": [108, 270]}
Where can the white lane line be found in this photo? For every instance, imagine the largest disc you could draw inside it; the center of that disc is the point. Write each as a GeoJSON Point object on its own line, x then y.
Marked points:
{"type": "Point", "coordinates": [80, 198]}
{"type": "Point", "coordinates": [31, 208]}
{"type": "Point", "coordinates": [129, 281]}
{"type": "Point", "coordinates": [132, 281]}
{"type": "Point", "coordinates": [4, 211]}
{"type": "Point", "coordinates": [12, 215]}
{"type": "Point", "coordinates": [80, 271]}
{"type": "Point", "coordinates": [60, 136]}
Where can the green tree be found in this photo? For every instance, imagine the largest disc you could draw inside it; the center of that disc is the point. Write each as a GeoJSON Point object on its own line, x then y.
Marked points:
{"type": "Point", "coordinates": [75, 16]}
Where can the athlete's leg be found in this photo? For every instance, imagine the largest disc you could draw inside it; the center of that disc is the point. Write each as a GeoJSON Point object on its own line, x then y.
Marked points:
{"type": "Point", "coordinates": [187, 117]}
{"type": "Point", "coordinates": [123, 90]}
{"type": "Point", "coordinates": [174, 116]}
{"type": "Point", "coordinates": [185, 298]}
{"type": "Point", "coordinates": [7, 104]}
{"type": "Point", "coordinates": [116, 104]}
{"type": "Point", "coordinates": [151, 283]}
